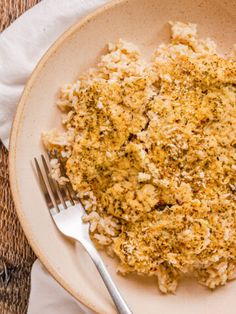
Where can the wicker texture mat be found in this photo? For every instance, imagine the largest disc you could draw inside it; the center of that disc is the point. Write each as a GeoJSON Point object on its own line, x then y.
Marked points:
{"type": "Point", "coordinates": [16, 256]}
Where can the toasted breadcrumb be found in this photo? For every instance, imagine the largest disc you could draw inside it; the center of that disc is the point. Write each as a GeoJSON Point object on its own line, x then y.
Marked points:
{"type": "Point", "coordinates": [151, 150]}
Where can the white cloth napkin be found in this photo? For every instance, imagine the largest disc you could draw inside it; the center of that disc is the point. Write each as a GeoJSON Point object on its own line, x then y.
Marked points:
{"type": "Point", "coordinates": [21, 47]}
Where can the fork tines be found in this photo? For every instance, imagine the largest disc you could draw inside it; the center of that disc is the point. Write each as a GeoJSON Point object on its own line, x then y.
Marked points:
{"type": "Point", "coordinates": [56, 196]}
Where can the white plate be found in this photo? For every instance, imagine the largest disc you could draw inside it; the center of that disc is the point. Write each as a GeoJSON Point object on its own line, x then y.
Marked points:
{"type": "Point", "coordinates": [145, 24]}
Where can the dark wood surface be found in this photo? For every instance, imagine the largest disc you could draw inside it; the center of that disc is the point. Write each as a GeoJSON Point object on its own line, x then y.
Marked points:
{"type": "Point", "coordinates": [16, 256]}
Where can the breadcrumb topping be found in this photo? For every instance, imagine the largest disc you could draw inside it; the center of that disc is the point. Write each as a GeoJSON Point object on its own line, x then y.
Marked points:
{"type": "Point", "coordinates": [151, 150]}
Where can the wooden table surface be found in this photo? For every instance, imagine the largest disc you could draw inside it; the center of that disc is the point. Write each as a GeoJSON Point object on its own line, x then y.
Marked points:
{"type": "Point", "coordinates": [16, 256]}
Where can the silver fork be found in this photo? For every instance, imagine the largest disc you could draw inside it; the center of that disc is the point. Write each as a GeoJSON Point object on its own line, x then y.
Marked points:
{"type": "Point", "coordinates": [67, 213]}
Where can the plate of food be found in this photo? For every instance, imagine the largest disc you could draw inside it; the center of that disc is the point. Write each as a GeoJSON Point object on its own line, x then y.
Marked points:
{"type": "Point", "coordinates": [138, 103]}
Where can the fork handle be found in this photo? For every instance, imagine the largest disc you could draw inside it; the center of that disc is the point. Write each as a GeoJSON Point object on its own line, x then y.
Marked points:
{"type": "Point", "coordinates": [120, 303]}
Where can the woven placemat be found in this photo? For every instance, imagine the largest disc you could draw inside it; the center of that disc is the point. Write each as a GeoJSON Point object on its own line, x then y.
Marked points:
{"type": "Point", "coordinates": [16, 256]}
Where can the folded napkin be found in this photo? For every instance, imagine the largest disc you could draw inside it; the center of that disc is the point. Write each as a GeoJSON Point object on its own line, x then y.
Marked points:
{"type": "Point", "coordinates": [21, 47]}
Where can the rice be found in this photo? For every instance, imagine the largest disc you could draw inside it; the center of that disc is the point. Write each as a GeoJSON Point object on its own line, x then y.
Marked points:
{"type": "Point", "coordinates": [150, 149]}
